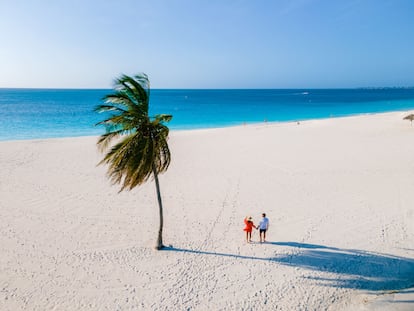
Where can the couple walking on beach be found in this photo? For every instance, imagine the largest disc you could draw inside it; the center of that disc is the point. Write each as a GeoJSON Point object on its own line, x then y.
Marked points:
{"type": "Point", "coordinates": [262, 227]}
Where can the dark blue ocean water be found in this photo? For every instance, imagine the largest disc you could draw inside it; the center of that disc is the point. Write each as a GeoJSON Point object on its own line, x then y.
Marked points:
{"type": "Point", "coordinates": [47, 113]}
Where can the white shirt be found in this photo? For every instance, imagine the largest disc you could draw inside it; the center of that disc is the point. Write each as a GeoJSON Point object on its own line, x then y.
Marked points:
{"type": "Point", "coordinates": [264, 223]}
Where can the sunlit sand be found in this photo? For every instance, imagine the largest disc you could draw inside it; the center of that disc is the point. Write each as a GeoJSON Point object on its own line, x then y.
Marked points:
{"type": "Point", "coordinates": [338, 193]}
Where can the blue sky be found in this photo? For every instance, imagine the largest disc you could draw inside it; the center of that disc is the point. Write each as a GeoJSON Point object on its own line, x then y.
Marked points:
{"type": "Point", "coordinates": [207, 44]}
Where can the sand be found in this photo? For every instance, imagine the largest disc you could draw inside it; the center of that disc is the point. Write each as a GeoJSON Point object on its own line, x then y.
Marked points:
{"type": "Point", "coordinates": [338, 193]}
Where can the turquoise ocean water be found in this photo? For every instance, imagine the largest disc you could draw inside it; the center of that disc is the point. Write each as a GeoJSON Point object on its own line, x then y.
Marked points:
{"type": "Point", "coordinates": [48, 113]}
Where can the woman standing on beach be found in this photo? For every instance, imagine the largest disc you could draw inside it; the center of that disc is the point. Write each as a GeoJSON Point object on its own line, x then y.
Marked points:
{"type": "Point", "coordinates": [248, 221]}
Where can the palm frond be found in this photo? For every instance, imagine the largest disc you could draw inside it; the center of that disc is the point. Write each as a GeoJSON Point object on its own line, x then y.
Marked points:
{"type": "Point", "coordinates": [119, 98]}
{"type": "Point", "coordinates": [105, 139]}
{"type": "Point", "coordinates": [135, 89]}
{"type": "Point", "coordinates": [161, 118]}
{"type": "Point", "coordinates": [126, 101]}
{"type": "Point", "coordinates": [141, 142]}
{"type": "Point", "coordinates": [409, 117]}
{"type": "Point", "coordinates": [109, 108]}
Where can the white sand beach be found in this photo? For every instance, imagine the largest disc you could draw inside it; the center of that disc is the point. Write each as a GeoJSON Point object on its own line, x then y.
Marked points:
{"type": "Point", "coordinates": [338, 193]}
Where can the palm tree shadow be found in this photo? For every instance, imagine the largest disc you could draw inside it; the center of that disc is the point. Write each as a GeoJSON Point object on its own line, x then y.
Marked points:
{"type": "Point", "coordinates": [346, 268]}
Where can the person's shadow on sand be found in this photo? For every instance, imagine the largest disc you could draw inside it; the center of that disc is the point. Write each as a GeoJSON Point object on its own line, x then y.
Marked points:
{"type": "Point", "coordinates": [356, 269]}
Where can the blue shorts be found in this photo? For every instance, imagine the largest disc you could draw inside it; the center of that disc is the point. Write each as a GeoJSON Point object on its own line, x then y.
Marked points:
{"type": "Point", "coordinates": [262, 230]}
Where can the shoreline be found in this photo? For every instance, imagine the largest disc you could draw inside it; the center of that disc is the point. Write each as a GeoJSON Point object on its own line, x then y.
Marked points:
{"type": "Point", "coordinates": [337, 191]}
{"type": "Point", "coordinates": [246, 124]}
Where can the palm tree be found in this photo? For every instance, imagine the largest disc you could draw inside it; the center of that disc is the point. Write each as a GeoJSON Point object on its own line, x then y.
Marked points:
{"type": "Point", "coordinates": [140, 149]}
{"type": "Point", "coordinates": [410, 117]}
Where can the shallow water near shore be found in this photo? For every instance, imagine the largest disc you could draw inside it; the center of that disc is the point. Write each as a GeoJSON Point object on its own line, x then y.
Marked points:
{"type": "Point", "coordinates": [49, 113]}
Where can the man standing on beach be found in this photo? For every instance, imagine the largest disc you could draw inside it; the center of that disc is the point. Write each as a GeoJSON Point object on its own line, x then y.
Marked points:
{"type": "Point", "coordinates": [263, 226]}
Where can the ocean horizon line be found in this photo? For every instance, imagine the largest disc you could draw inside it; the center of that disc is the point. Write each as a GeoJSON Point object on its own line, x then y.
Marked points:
{"type": "Point", "coordinates": [212, 89]}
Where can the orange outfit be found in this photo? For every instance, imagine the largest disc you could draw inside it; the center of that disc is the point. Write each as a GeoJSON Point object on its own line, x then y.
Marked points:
{"type": "Point", "coordinates": [249, 225]}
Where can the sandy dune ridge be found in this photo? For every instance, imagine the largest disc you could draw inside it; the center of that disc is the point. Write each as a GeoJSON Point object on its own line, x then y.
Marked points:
{"type": "Point", "coordinates": [338, 193]}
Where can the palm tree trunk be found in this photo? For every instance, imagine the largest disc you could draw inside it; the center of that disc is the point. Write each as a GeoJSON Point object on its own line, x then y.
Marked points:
{"type": "Point", "coordinates": [157, 185]}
